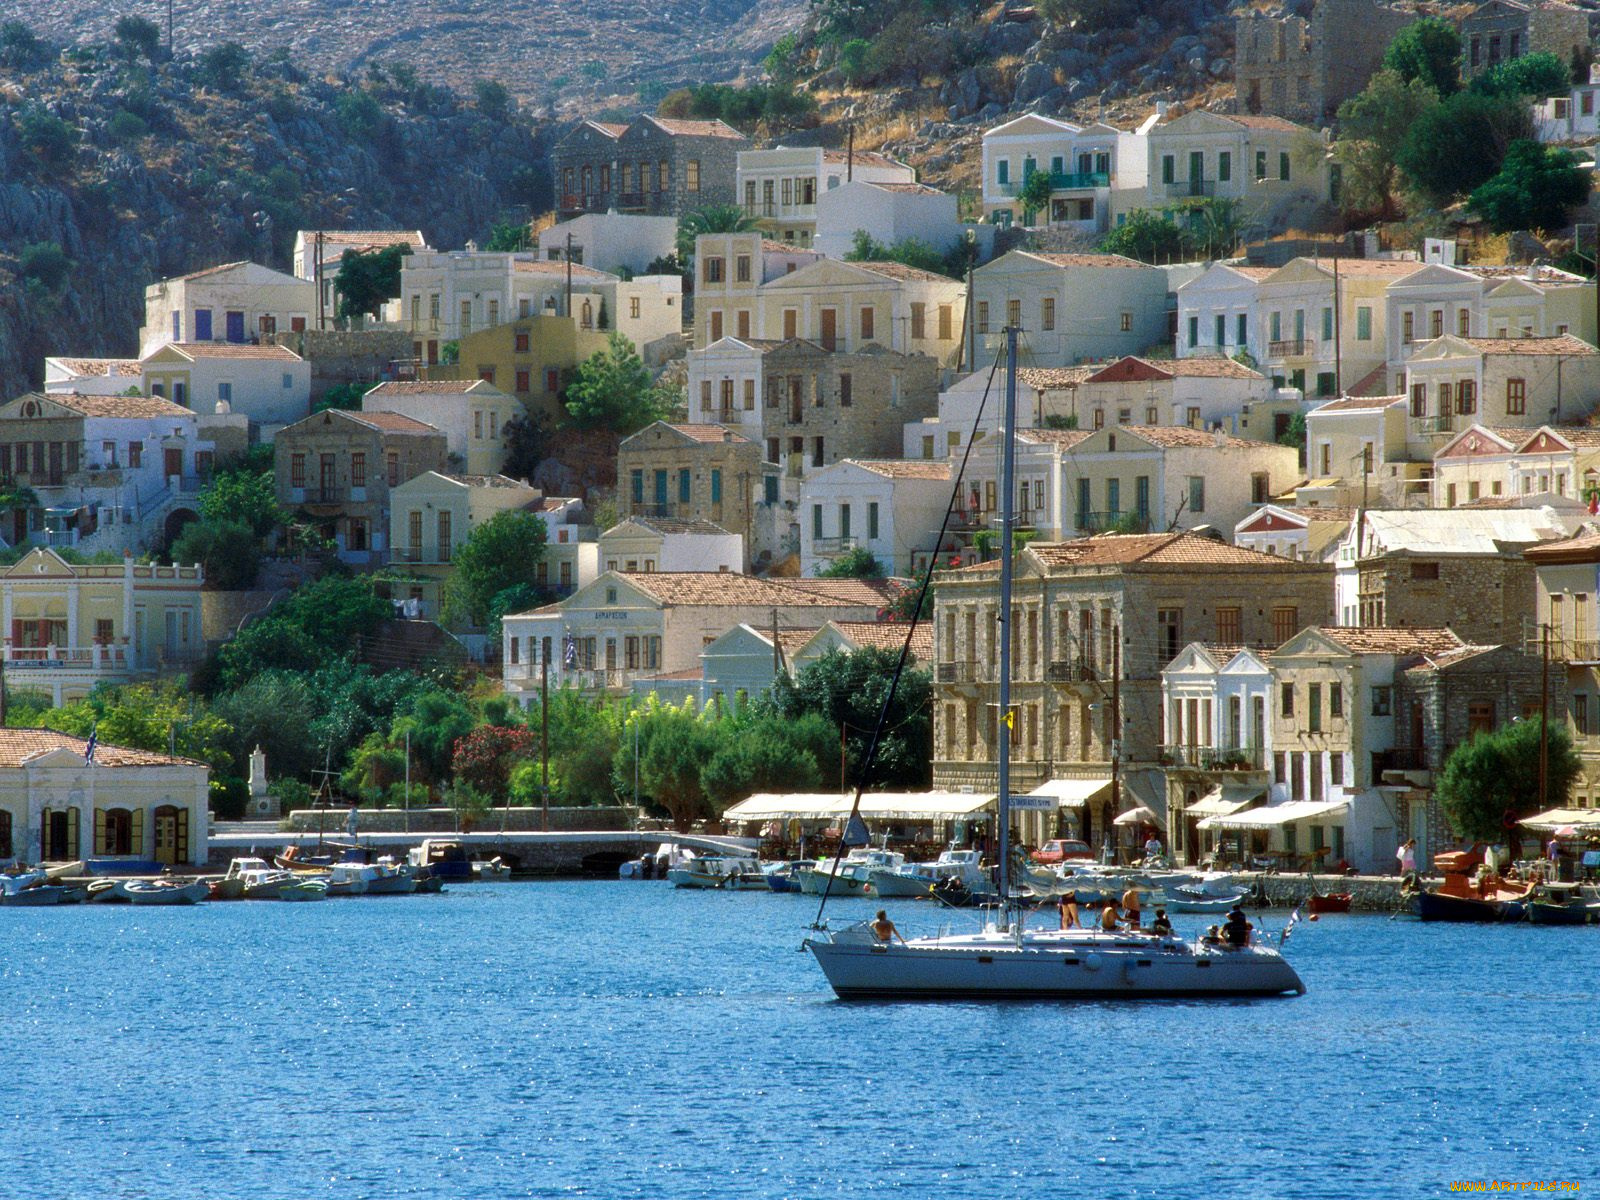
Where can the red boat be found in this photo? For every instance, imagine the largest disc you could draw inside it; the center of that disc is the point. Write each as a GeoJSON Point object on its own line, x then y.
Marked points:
{"type": "Point", "coordinates": [1330, 902]}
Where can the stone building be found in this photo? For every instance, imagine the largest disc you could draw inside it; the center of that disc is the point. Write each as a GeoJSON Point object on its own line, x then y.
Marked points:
{"type": "Point", "coordinates": [702, 472]}
{"type": "Point", "coordinates": [1568, 599]}
{"type": "Point", "coordinates": [653, 165]}
{"type": "Point", "coordinates": [1304, 69]}
{"type": "Point", "coordinates": [337, 467]}
{"type": "Point", "coordinates": [1084, 611]}
{"type": "Point", "coordinates": [1501, 30]}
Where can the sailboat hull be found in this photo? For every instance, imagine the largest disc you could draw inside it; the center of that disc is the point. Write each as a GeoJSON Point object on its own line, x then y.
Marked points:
{"type": "Point", "coordinates": [1076, 965]}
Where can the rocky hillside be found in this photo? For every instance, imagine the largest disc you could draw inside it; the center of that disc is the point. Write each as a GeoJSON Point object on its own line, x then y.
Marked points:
{"type": "Point", "coordinates": [137, 171]}
{"type": "Point", "coordinates": [547, 52]}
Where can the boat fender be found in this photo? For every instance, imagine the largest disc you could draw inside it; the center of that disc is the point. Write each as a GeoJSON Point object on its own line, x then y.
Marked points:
{"type": "Point", "coordinates": [1091, 961]}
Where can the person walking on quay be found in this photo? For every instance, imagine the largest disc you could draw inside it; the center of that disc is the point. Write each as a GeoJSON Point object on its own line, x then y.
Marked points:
{"type": "Point", "coordinates": [350, 822]}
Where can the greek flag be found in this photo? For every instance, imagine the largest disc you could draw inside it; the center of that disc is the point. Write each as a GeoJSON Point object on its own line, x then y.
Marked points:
{"type": "Point", "coordinates": [88, 749]}
{"type": "Point", "coordinates": [1294, 919]}
{"type": "Point", "coordinates": [569, 656]}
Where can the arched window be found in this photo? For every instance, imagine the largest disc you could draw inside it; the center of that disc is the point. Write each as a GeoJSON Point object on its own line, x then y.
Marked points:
{"type": "Point", "coordinates": [113, 832]}
{"type": "Point", "coordinates": [588, 315]}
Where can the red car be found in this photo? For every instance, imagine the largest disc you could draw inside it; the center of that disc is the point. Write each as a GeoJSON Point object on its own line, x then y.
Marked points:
{"type": "Point", "coordinates": [1062, 850]}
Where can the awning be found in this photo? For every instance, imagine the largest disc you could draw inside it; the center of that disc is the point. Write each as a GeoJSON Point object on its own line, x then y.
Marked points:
{"type": "Point", "coordinates": [882, 806]}
{"type": "Point", "coordinates": [1226, 799]}
{"type": "Point", "coordinates": [1585, 820]}
{"type": "Point", "coordinates": [1137, 816]}
{"type": "Point", "coordinates": [1275, 815]}
{"type": "Point", "coordinates": [1072, 793]}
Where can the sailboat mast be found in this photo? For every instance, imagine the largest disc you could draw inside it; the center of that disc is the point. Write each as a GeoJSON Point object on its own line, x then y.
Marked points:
{"type": "Point", "coordinates": [1008, 430]}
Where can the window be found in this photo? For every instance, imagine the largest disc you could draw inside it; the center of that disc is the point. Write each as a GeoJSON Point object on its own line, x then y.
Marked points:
{"type": "Point", "coordinates": [1580, 714]}
{"type": "Point", "coordinates": [1335, 777]}
{"type": "Point", "coordinates": [1314, 707]}
{"type": "Point", "coordinates": [521, 343]}
{"type": "Point", "coordinates": [1197, 493]}
{"type": "Point", "coordinates": [1408, 327]}
{"type": "Point", "coordinates": [791, 322]}
{"type": "Point", "coordinates": [1003, 171]}
{"type": "Point", "coordinates": [684, 485]}
{"type": "Point", "coordinates": [1194, 332]}
{"type": "Point", "coordinates": [1285, 623]}
{"type": "Point", "coordinates": [392, 464]}
{"type": "Point", "coordinates": [1014, 313]}
{"type": "Point", "coordinates": [712, 272]}
{"type": "Point", "coordinates": [844, 520]}
{"type": "Point", "coordinates": [1261, 164]}
{"type": "Point", "coordinates": [637, 479]}
{"type": "Point", "coordinates": [135, 455]}
{"type": "Point", "coordinates": [1382, 700]}
{"type": "Point", "coordinates": [297, 470]}
{"type": "Point", "coordinates": [225, 392]}
{"type": "Point", "coordinates": [845, 394]}
{"type": "Point", "coordinates": [1516, 397]}
{"type": "Point", "coordinates": [552, 380]}
{"type": "Point", "coordinates": [358, 470]}
{"type": "Point", "coordinates": [867, 323]}
{"type": "Point", "coordinates": [716, 485]}
{"type": "Point", "coordinates": [1221, 330]}
{"type": "Point", "coordinates": [663, 175]}
{"type": "Point", "coordinates": [1224, 166]}
{"type": "Point", "coordinates": [919, 320]}
{"type": "Point", "coordinates": [1228, 626]}
{"type": "Point", "coordinates": [1364, 323]}
{"type": "Point", "coordinates": [872, 519]}
{"type": "Point", "coordinates": [1335, 700]}
{"type": "Point", "coordinates": [1125, 322]}
{"type": "Point", "coordinates": [1169, 168]}
{"type": "Point", "coordinates": [1467, 397]}
{"type": "Point", "coordinates": [946, 322]}
{"type": "Point", "coordinates": [1464, 322]}
{"type": "Point", "coordinates": [1419, 399]}
{"type": "Point", "coordinates": [1047, 313]}
{"type": "Point", "coordinates": [691, 175]}
{"type": "Point", "coordinates": [1241, 333]}
{"type": "Point", "coordinates": [1480, 717]}
{"type": "Point", "coordinates": [982, 320]}
{"type": "Point", "coordinates": [1286, 700]}
{"type": "Point", "coordinates": [816, 520]}
{"type": "Point", "coordinates": [1169, 629]}
{"type": "Point", "coordinates": [1283, 165]}
{"type": "Point", "coordinates": [524, 380]}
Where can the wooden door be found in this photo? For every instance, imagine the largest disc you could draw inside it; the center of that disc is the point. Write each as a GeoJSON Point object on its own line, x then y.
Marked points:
{"type": "Point", "coordinates": [172, 835]}
{"type": "Point", "coordinates": [830, 328]}
{"type": "Point", "coordinates": [235, 326]}
{"type": "Point", "coordinates": [171, 463]}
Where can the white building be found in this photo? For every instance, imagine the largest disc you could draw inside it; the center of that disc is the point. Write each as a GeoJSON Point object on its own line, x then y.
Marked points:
{"type": "Point", "coordinates": [893, 212]}
{"type": "Point", "coordinates": [667, 544]}
{"type": "Point", "coordinates": [1572, 117]}
{"type": "Point", "coordinates": [318, 254]}
{"type": "Point", "coordinates": [236, 302]}
{"type": "Point", "coordinates": [1072, 308]}
{"type": "Point", "coordinates": [783, 185]}
{"type": "Point", "coordinates": [612, 241]}
{"type": "Point", "coordinates": [1086, 163]}
{"type": "Point", "coordinates": [270, 385]}
{"type": "Point", "coordinates": [471, 413]}
{"type": "Point", "coordinates": [92, 376]}
{"type": "Point", "coordinates": [890, 508]}
{"type": "Point", "coordinates": [1266, 163]}
{"type": "Point", "coordinates": [1310, 534]}
{"type": "Point", "coordinates": [746, 661]}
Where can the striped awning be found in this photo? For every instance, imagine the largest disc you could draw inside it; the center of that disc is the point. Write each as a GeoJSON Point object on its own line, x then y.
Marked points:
{"type": "Point", "coordinates": [1275, 815]}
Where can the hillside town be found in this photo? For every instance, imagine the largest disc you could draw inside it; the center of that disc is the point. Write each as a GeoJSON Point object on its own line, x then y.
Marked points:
{"type": "Point", "coordinates": [1298, 515]}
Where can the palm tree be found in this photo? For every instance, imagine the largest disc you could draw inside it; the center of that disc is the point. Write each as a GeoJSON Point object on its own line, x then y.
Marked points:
{"type": "Point", "coordinates": [715, 218]}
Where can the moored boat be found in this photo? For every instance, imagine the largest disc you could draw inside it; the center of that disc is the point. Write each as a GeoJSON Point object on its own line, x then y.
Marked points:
{"type": "Point", "coordinates": [1329, 902]}
{"type": "Point", "coordinates": [387, 879]}
{"type": "Point", "coordinates": [307, 887]}
{"type": "Point", "coordinates": [491, 871]}
{"type": "Point", "coordinates": [1559, 904]}
{"type": "Point", "coordinates": [167, 891]}
{"type": "Point", "coordinates": [349, 879]}
{"type": "Point", "coordinates": [446, 859]}
{"type": "Point", "coordinates": [254, 880]}
{"type": "Point", "coordinates": [726, 872]}
{"type": "Point", "coordinates": [784, 876]}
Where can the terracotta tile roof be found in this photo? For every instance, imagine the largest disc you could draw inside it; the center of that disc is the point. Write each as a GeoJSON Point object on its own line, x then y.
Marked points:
{"type": "Point", "coordinates": [1393, 641]}
{"type": "Point", "coordinates": [678, 128]}
{"type": "Point", "coordinates": [1205, 366]}
{"type": "Point", "coordinates": [558, 267]}
{"type": "Point", "coordinates": [1256, 273]}
{"type": "Point", "coordinates": [877, 592]}
{"type": "Point", "coordinates": [119, 406]}
{"type": "Point", "coordinates": [100, 366]}
{"type": "Point", "coordinates": [909, 189]}
{"type": "Point", "coordinates": [1562, 344]}
{"type": "Point", "coordinates": [1226, 652]}
{"type": "Point", "coordinates": [675, 525]}
{"type": "Point", "coordinates": [904, 468]}
{"type": "Point", "coordinates": [894, 270]}
{"type": "Point", "coordinates": [1576, 435]}
{"type": "Point", "coordinates": [431, 387]}
{"type": "Point", "coordinates": [1585, 547]}
{"type": "Point", "coordinates": [1183, 435]}
{"type": "Point", "coordinates": [1064, 438]}
{"type": "Point", "coordinates": [368, 237]}
{"type": "Point", "coordinates": [1086, 260]}
{"type": "Point", "coordinates": [1164, 549]}
{"type": "Point", "coordinates": [1358, 403]}
{"type": "Point", "coordinates": [17, 746]}
{"type": "Point", "coordinates": [389, 422]}
{"type": "Point", "coordinates": [1321, 512]}
{"type": "Point", "coordinates": [1046, 378]}
{"type": "Point", "coordinates": [1262, 121]}
{"type": "Point", "coordinates": [709, 433]}
{"type": "Point", "coordinates": [216, 270]}
{"type": "Point", "coordinates": [1392, 268]}
{"type": "Point", "coordinates": [890, 635]}
{"type": "Point", "coordinates": [231, 350]}
{"type": "Point", "coordinates": [725, 588]}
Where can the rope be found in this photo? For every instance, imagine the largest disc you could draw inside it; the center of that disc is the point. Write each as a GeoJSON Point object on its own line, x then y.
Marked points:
{"type": "Point", "coordinates": [864, 772]}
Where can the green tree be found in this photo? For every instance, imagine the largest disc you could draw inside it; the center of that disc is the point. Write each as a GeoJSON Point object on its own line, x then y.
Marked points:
{"type": "Point", "coordinates": [1428, 51]}
{"type": "Point", "coordinates": [849, 690]}
{"type": "Point", "coordinates": [1212, 226]}
{"type": "Point", "coordinates": [359, 113]}
{"type": "Point", "coordinates": [244, 495]}
{"type": "Point", "coordinates": [763, 753]}
{"type": "Point", "coordinates": [149, 716]}
{"type": "Point", "coordinates": [317, 624]}
{"type": "Point", "coordinates": [674, 754]}
{"type": "Point", "coordinates": [912, 252]}
{"type": "Point", "coordinates": [1455, 146]}
{"type": "Point", "coordinates": [1535, 188]}
{"type": "Point", "coordinates": [20, 47]}
{"type": "Point", "coordinates": [502, 553]}
{"type": "Point", "coordinates": [137, 37]}
{"type": "Point", "coordinates": [366, 281]}
{"type": "Point", "coordinates": [227, 550]}
{"type": "Point", "coordinates": [484, 758]}
{"type": "Point", "coordinates": [223, 67]}
{"type": "Point", "coordinates": [272, 710]}
{"type": "Point", "coordinates": [1034, 195]}
{"type": "Point", "coordinates": [436, 722]}
{"type": "Point", "coordinates": [1528, 76]}
{"type": "Point", "coordinates": [715, 218]}
{"type": "Point", "coordinates": [783, 60]}
{"type": "Point", "coordinates": [612, 390]}
{"type": "Point", "coordinates": [509, 236]}
{"type": "Point", "coordinates": [1372, 127]}
{"type": "Point", "coordinates": [345, 396]}
{"type": "Point", "coordinates": [1493, 780]}
{"type": "Point", "coordinates": [44, 265]}
{"type": "Point", "coordinates": [126, 127]}
{"type": "Point", "coordinates": [856, 563]}
{"type": "Point", "coordinates": [494, 100]}
{"type": "Point", "coordinates": [47, 136]}
{"type": "Point", "coordinates": [1147, 236]}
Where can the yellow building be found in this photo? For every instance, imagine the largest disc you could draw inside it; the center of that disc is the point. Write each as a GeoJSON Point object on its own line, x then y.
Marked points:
{"type": "Point", "coordinates": [531, 358]}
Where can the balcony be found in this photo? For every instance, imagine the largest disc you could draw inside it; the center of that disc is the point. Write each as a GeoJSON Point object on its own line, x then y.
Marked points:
{"type": "Point", "coordinates": [1215, 758]}
{"type": "Point", "coordinates": [1063, 181]}
{"type": "Point", "coordinates": [66, 658]}
{"type": "Point", "coordinates": [1577, 650]}
{"type": "Point", "coordinates": [833, 547]}
{"type": "Point", "coordinates": [1122, 522]}
{"type": "Point", "coordinates": [957, 672]}
{"type": "Point", "coordinates": [418, 555]}
{"type": "Point", "coordinates": [1078, 669]}
{"type": "Point", "coordinates": [1191, 187]}
{"type": "Point", "coordinates": [1290, 348]}
{"type": "Point", "coordinates": [1431, 426]}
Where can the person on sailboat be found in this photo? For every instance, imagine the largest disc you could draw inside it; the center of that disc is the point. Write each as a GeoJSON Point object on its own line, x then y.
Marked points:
{"type": "Point", "coordinates": [1069, 910]}
{"type": "Point", "coordinates": [883, 929]}
{"type": "Point", "coordinates": [1161, 927]}
{"type": "Point", "coordinates": [1236, 932]}
{"type": "Point", "coordinates": [1108, 918]}
{"type": "Point", "coordinates": [1130, 906]}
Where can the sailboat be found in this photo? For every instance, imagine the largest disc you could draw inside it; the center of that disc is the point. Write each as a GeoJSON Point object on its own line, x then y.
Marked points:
{"type": "Point", "coordinates": [1004, 959]}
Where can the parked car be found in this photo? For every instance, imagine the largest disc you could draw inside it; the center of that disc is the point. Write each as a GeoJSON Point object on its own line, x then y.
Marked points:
{"type": "Point", "coordinates": [1060, 850]}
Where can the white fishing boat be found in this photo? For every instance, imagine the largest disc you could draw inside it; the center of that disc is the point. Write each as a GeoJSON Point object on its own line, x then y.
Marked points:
{"type": "Point", "coordinates": [306, 887]}
{"type": "Point", "coordinates": [490, 870]}
{"type": "Point", "coordinates": [386, 878]}
{"type": "Point", "coordinates": [921, 879]}
{"type": "Point", "coordinates": [1005, 959]}
{"type": "Point", "coordinates": [254, 880]}
{"type": "Point", "coordinates": [166, 891]}
{"type": "Point", "coordinates": [853, 876]}
{"type": "Point", "coordinates": [350, 878]}
{"type": "Point", "coordinates": [733, 873]}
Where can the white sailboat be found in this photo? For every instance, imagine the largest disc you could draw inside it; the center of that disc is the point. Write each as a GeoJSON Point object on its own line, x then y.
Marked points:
{"type": "Point", "coordinates": [1004, 959]}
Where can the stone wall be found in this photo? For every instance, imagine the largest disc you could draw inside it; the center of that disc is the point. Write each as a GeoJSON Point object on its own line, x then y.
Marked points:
{"type": "Point", "coordinates": [1304, 70]}
{"type": "Point", "coordinates": [1484, 598]}
{"type": "Point", "coordinates": [444, 821]}
{"type": "Point", "coordinates": [340, 356]}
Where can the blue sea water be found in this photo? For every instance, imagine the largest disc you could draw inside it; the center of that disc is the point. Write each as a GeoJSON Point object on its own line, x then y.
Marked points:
{"type": "Point", "coordinates": [630, 1040]}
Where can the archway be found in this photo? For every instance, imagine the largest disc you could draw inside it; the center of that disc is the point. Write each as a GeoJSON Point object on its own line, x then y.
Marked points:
{"type": "Point", "coordinates": [174, 525]}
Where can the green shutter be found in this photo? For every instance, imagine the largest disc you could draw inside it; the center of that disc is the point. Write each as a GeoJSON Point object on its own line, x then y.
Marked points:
{"type": "Point", "coordinates": [72, 833]}
{"type": "Point", "coordinates": [100, 846]}
{"type": "Point", "coordinates": [136, 832]}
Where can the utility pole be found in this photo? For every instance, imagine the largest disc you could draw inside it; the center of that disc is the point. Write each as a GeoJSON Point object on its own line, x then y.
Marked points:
{"type": "Point", "coordinates": [316, 271]}
{"type": "Point", "coordinates": [1544, 722]}
{"type": "Point", "coordinates": [408, 782]}
{"type": "Point", "coordinates": [544, 721]}
{"type": "Point", "coordinates": [850, 155]}
{"type": "Point", "coordinates": [569, 276]}
{"type": "Point", "coordinates": [1116, 721]}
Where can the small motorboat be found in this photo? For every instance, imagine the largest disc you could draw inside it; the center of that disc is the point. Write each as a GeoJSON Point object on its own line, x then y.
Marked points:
{"type": "Point", "coordinates": [1329, 902]}
{"type": "Point", "coordinates": [446, 859]}
{"type": "Point", "coordinates": [1559, 904]}
{"type": "Point", "coordinates": [387, 879]}
{"type": "Point", "coordinates": [423, 879]}
{"type": "Point", "coordinates": [252, 879]}
{"type": "Point", "coordinates": [492, 871]}
{"type": "Point", "coordinates": [782, 877]}
{"type": "Point", "coordinates": [349, 879]}
{"type": "Point", "coordinates": [1190, 899]}
{"type": "Point", "coordinates": [729, 873]}
{"type": "Point", "coordinates": [32, 889]}
{"type": "Point", "coordinates": [166, 891]}
{"type": "Point", "coordinates": [109, 891]}
{"type": "Point", "coordinates": [309, 887]}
